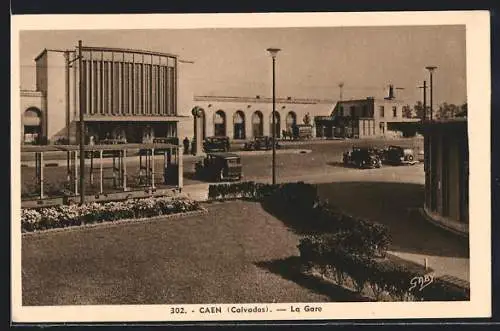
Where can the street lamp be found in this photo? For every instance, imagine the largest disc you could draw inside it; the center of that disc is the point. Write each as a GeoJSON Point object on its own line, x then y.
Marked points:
{"type": "Point", "coordinates": [273, 52]}
{"type": "Point", "coordinates": [431, 70]}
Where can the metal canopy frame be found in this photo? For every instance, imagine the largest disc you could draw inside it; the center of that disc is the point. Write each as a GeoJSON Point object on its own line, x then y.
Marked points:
{"type": "Point", "coordinates": [148, 170]}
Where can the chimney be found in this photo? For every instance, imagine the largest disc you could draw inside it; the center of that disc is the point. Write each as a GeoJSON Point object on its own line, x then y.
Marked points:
{"type": "Point", "coordinates": [391, 93]}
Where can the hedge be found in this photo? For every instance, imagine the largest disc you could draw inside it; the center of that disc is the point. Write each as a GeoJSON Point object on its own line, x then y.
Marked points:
{"type": "Point", "coordinates": [370, 275]}
{"type": "Point", "coordinates": [74, 215]}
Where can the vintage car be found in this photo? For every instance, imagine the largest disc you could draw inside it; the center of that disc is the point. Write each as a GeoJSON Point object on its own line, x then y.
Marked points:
{"type": "Point", "coordinates": [260, 143]}
{"type": "Point", "coordinates": [397, 155]}
{"type": "Point", "coordinates": [219, 167]}
{"type": "Point", "coordinates": [216, 144]}
{"type": "Point", "coordinates": [362, 157]}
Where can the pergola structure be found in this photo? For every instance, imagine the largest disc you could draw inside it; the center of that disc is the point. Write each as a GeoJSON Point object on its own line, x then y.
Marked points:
{"type": "Point", "coordinates": [109, 173]}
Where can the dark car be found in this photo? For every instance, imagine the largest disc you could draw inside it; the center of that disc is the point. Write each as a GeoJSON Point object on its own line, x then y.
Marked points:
{"type": "Point", "coordinates": [219, 167]}
{"type": "Point", "coordinates": [398, 155]}
{"type": "Point", "coordinates": [216, 144]}
{"type": "Point", "coordinates": [260, 143]}
{"type": "Point", "coordinates": [362, 157]}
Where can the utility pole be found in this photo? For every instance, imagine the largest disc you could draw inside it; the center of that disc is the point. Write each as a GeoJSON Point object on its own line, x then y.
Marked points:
{"type": "Point", "coordinates": [82, 124]}
{"type": "Point", "coordinates": [274, 121]}
{"type": "Point", "coordinates": [431, 71]}
{"type": "Point", "coordinates": [424, 87]}
{"type": "Point", "coordinates": [341, 86]}
{"type": "Point", "coordinates": [68, 122]}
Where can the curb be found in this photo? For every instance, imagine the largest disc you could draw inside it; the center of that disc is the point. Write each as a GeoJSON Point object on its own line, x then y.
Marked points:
{"type": "Point", "coordinates": [441, 224]}
{"type": "Point", "coordinates": [201, 211]}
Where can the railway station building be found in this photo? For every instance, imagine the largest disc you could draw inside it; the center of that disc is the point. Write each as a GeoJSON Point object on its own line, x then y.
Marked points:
{"type": "Point", "coordinates": [126, 94]}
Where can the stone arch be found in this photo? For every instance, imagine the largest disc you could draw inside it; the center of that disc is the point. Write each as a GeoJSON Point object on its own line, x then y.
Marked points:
{"type": "Point", "coordinates": [257, 124]}
{"type": "Point", "coordinates": [239, 125]}
{"type": "Point", "coordinates": [277, 119]}
{"type": "Point", "coordinates": [291, 121]}
{"type": "Point", "coordinates": [220, 123]}
{"type": "Point", "coordinates": [32, 125]}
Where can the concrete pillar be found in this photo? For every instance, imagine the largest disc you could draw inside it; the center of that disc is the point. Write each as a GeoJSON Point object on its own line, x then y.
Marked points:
{"type": "Point", "coordinates": [230, 124]}
{"type": "Point", "coordinates": [248, 124]}
{"type": "Point", "coordinates": [180, 166]}
{"type": "Point", "coordinates": [198, 135]}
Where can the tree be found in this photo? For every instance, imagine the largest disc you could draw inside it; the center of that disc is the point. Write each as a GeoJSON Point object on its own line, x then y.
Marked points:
{"type": "Point", "coordinates": [463, 111]}
{"type": "Point", "coordinates": [419, 109]}
{"type": "Point", "coordinates": [407, 111]}
{"type": "Point", "coordinates": [449, 110]}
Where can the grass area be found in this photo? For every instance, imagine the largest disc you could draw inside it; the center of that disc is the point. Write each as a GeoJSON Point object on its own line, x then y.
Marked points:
{"type": "Point", "coordinates": [220, 257]}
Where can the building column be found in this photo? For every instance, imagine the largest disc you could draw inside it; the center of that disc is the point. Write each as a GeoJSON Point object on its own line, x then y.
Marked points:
{"type": "Point", "coordinates": [248, 125]}
{"type": "Point", "coordinates": [230, 124]}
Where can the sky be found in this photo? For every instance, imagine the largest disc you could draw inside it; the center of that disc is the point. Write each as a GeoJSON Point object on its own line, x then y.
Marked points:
{"type": "Point", "coordinates": [311, 64]}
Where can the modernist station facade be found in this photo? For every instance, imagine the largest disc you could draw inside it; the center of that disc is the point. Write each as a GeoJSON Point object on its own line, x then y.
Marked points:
{"type": "Point", "coordinates": [126, 94]}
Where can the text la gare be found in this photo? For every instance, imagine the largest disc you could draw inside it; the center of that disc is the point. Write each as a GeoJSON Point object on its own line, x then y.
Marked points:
{"type": "Point", "coordinates": [306, 308]}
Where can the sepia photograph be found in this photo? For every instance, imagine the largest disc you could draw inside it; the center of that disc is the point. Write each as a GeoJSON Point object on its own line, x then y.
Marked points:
{"type": "Point", "coordinates": [250, 167]}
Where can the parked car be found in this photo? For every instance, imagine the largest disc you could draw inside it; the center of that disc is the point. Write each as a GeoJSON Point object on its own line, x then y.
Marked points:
{"type": "Point", "coordinates": [219, 167]}
{"type": "Point", "coordinates": [362, 157]}
{"type": "Point", "coordinates": [397, 155]}
{"type": "Point", "coordinates": [216, 144]}
{"type": "Point", "coordinates": [260, 143]}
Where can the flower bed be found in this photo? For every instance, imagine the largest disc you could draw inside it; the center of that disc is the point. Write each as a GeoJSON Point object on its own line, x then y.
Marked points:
{"type": "Point", "coordinates": [74, 215]}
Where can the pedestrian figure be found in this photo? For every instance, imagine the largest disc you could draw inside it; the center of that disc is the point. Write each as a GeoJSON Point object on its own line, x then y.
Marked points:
{"type": "Point", "coordinates": [193, 146]}
{"type": "Point", "coordinates": [186, 145]}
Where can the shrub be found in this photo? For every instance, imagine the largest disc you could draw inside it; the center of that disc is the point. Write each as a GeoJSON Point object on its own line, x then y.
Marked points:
{"type": "Point", "coordinates": [366, 271]}
{"type": "Point", "coordinates": [71, 215]}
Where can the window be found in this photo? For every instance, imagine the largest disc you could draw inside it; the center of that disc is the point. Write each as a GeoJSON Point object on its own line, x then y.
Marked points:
{"type": "Point", "coordinates": [341, 111]}
{"type": "Point", "coordinates": [381, 110]}
{"type": "Point", "coordinates": [365, 111]}
{"type": "Point", "coordinates": [394, 111]}
{"type": "Point", "coordinates": [353, 109]}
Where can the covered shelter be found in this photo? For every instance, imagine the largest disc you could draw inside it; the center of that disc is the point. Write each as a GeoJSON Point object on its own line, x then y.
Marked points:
{"type": "Point", "coordinates": [112, 172]}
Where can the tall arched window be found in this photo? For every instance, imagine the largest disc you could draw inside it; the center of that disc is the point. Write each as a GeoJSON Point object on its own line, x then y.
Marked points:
{"type": "Point", "coordinates": [257, 124]}
{"type": "Point", "coordinates": [220, 123]}
{"type": "Point", "coordinates": [291, 120]}
{"type": "Point", "coordinates": [239, 125]}
{"type": "Point", "coordinates": [277, 120]}
{"type": "Point", "coordinates": [32, 122]}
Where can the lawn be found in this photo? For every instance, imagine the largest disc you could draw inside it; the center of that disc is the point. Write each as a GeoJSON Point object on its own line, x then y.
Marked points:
{"type": "Point", "coordinates": [236, 253]}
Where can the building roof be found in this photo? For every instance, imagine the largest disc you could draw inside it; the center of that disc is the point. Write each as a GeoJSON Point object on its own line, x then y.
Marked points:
{"type": "Point", "coordinates": [109, 49]}
{"type": "Point", "coordinates": [259, 99]}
